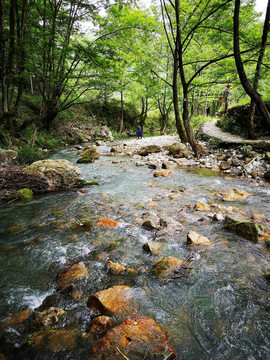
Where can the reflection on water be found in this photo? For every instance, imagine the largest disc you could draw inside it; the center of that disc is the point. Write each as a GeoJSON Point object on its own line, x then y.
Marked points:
{"type": "Point", "coordinates": [220, 312]}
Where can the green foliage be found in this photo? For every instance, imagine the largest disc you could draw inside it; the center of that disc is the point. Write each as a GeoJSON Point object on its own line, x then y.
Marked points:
{"type": "Point", "coordinates": [27, 155]}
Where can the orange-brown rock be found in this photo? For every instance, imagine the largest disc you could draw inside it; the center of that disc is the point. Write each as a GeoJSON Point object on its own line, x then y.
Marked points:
{"type": "Point", "coordinates": [137, 338]}
{"type": "Point", "coordinates": [115, 300]}
{"type": "Point", "coordinates": [163, 173]}
{"type": "Point", "coordinates": [115, 268]}
{"type": "Point", "coordinates": [166, 266]}
{"type": "Point", "coordinates": [106, 223]}
{"type": "Point", "coordinates": [67, 277]}
{"type": "Point", "coordinates": [17, 319]}
{"type": "Point", "coordinates": [99, 326]}
{"type": "Point", "coordinates": [54, 340]}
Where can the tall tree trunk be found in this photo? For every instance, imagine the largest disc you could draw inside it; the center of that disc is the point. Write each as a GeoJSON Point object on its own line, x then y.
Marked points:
{"type": "Point", "coordinates": [252, 93]}
{"type": "Point", "coordinates": [195, 146]}
{"type": "Point", "coordinates": [122, 114]}
{"type": "Point", "coordinates": [251, 131]}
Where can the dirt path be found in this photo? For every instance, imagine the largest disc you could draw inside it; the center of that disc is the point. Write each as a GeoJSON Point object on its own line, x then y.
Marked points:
{"type": "Point", "coordinates": [210, 129]}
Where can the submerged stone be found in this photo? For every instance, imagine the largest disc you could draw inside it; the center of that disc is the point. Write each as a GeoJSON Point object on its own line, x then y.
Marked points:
{"type": "Point", "coordinates": [166, 266]}
{"type": "Point", "coordinates": [17, 319]}
{"type": "Point", "coordinates": [137, 338]}
{"type": "Point", "coordinates": [54, 340]}
{"type": "Point", "coordinates": [235, 195]}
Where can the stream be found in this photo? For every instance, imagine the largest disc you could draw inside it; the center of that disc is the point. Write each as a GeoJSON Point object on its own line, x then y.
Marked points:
{"type": "Point", "coordinates": [220, 312]}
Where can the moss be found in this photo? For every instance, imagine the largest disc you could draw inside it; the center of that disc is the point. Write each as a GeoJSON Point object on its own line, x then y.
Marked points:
{"type": "Point", "coordinates": [86, 160]}
{"type": "Point", "coordinates": [90, 183]}
{"type": "Point", "coordinates": [267, 242]}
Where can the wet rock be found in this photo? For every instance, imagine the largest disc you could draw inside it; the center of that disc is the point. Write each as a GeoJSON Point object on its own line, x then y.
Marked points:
{"type": "Point", "coordinates": [168, 165]}
{"type": "Point", "coordinates": [202, 207]}
{"type": "Point", "coordinates": [90, 183]}
{"type": "Point", "coordinates": [152, 166]}
{"type": "Point", "coordinates": [176, 148]}
{"type": "Point", "coordinates": [194, 238]}
{"type": "Point", "coordinates": [8, 157]}
{"type": "Point", "coordinates": [89, 155]}
{"type": "Point", "coordinates": [149, 149]}
{"type": "Point", "coordinates": [162, 173]}
{"type": "Point", "coordinates": [166, 266]}
{"type": "Point", "coordinates": [267, 156]}
{"type": "Point", "coordinates": [267, 175]}
{"type": "Point", "coordinates": [99, 326]}
{"type": "Point", "coordinates": [115, 300]}
{"type": "Point", "coordinates": [149, 224]}
{"type": "Point", "coordinates": [103, 133]}
{"type": "Point", "coordinates": [67, 277]}
{"type": "Point", "coordinates": [15, 229]}
{"type": "Point", "coordinates": [54, 340]}
{"type": "Point", "coordinates": [235, 195]}
{"type": "Point", "coordinates": [100, 143]}
{"type": "Point", "coordinates": [247, 229]}
{"type": "Point", "coordinates": [60, 174]}
{"type": "Point", "coordinates": [49, 317]}
{"type": "Point", "coordinates": [225, 165]}
{"type": "Point", "coordinates": [137, 338]}
{"type": "Point", "coordinates": [82, 225]}
{"type": "Point", "coordinates": [106, 223]}
{"type": "Point", "coordinates": [115, 268]}
{"type": "Point", "coordinates": [218, 217]}
{"type": "Point", "coordinates": [153, 247]}
{"type": "Point", "coordinates": [16, 319]}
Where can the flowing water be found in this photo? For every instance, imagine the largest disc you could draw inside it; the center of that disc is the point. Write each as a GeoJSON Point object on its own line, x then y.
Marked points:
{"type": "Point", "coordinates": [220, 312]}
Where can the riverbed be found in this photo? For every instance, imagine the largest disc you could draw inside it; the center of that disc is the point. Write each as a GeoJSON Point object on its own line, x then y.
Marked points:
{"type": "Point", "coordinates": [220, 311]}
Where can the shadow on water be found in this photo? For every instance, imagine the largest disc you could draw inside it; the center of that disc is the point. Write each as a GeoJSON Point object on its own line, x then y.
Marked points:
{"type": "Point", "coordinates": [220, 312]}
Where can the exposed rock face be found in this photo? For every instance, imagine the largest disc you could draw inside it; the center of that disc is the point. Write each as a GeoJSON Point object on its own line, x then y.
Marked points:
{"type": "Point", "coordinates": [115, 300]}
{"type": "Point", "coordinates": [103, 133]}
{"type": "Point", "coordinates": [235, 195]}
{"type": "Point", "coordinates": [247, 229]}
{"type": "Point", "coordinates": [138, 337]}
{"type": "Point", "coordinates": [149, 149]}
{"type": "Point", "coordinates": [60, 174]}
{"type": "Point", "coordinates": [89, 155]}
{"type": "Point", "coordinates": [194, 238]}
{"type": "Point", "coordinates": [176, 148]}
{"type": "Point", "coordinates": [67, 277]}
{"type": "Point", "coordinates": [166, 266]}
{"type": "Point", "coordinates": [8, 157]}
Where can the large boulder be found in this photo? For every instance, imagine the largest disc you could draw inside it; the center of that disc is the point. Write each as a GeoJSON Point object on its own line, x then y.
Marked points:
{"type": "Point", "coordinates": [59, 174]}
{"type": "Point", "coordinates": [137, 338]}
{"type": "Point", "coordinates": [115, 300]}
{"type": "Point", "coordinates": [176, 149]}
{"type": "Point", "coordinates": [8, 157]}
{"type": "Point", "coordinates": [149, 149]}
{"type": "Point", "coordinates": [247, 229]}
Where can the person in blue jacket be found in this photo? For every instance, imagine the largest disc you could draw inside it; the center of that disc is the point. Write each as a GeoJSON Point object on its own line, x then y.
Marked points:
{"type": "Point", "coordinates": [139, 134]}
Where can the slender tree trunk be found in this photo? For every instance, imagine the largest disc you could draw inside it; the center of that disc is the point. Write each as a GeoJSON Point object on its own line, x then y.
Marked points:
{"type": "Point", "coordinates": [251, 131]}
{"type": "Point", "coordinates": [252, 93]}
{"type": "Point", "coordinates": [195, 146]}
{"type": "Point", "coordinates": [122, 114]}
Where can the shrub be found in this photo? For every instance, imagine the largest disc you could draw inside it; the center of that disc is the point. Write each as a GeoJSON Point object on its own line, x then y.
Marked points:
{"type": "Point", "coordinates": [27, 156]}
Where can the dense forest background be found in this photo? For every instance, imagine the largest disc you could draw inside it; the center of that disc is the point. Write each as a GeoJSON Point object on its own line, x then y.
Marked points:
{"type": "Point", "coordinates": [118, 64]}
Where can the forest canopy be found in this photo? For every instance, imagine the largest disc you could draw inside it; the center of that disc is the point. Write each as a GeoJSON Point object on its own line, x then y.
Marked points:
{"type": "Point", "coordinates": [167, 62]}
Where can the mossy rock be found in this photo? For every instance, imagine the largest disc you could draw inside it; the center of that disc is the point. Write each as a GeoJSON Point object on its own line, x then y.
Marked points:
{"type": "Point", "coordinates": [85, 160]}
{"type": "Point", "coordinates": [267, 242]}
{"type": "Point", "coordinates": [26, 195]}
{"type": "Point", "coordinates": [90, 183]}
{"type": "Point", "coordinates": [15, 229]}
{"type": "Point", "coordinates": [247, 229]}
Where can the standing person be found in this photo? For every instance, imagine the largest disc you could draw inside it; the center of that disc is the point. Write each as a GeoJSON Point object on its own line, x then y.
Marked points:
{"type": "Point", "coordinates": [139, 134]}
{"type": "Point", "coordinates": [207, 110]}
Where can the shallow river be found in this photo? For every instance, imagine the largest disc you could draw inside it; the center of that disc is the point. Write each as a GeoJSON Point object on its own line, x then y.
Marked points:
{"type": "Point", "coordinates": [220, 312]}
